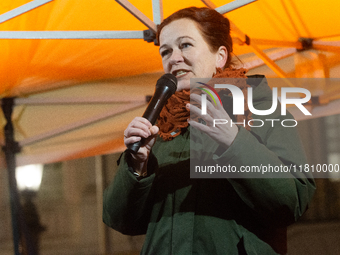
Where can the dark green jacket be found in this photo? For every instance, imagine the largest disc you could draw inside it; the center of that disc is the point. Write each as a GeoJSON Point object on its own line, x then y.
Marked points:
{"type": "Point", "coordinates": [180, 215]}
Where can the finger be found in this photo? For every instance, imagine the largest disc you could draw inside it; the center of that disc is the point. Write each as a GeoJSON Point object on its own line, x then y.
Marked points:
{"type": "Point", "coordinates": [131, 132]}
{"type": "Point", "coordinates": [137, 128]}
{"type": "Point", "coordinates": [131, 140]}
{"type": "Point", "coordinates": [194, 110]}
{"type": "Point", "coordinates": [150, 141]}
{"type": "Point", "coordinates": [216, 111]}
{"type": "Point", "coordinates": [154, 130]}
{"type": "Point", "coordinates": [137, 134]}
{"type": "Point", "coordinates": [198, 98]}
{"type": "Point", "coordinates": [210, 106]}
{"type": "Point", "coordinates": [144, 121]}
{"type": "Point", "coordinates": [195, 97]}
{"type": "Point", "coordinates": [140, 122]}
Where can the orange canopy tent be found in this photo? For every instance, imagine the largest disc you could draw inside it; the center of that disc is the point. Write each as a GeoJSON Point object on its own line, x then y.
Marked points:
{"type": "Point", "coordinates": [64, 84]}
{"type": "Point", "coordinates": [30, 65]}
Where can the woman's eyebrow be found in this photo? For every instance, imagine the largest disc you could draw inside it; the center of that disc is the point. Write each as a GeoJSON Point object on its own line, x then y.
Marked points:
{"type": "Point", "coordinates": [183, 37]}
{"type": "Point", "coordinates": [178, 39]}
{"type": "Point", "coordinates": [163, 46]}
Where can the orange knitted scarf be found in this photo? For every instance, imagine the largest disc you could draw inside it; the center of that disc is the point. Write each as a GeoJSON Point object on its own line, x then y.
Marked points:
{"type": "Point", "coordinates": [172, 120]}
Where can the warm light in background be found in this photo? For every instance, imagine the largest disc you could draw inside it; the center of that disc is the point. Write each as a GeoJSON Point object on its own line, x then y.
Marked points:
{"type": "Point", "coordinates": [29, 177]}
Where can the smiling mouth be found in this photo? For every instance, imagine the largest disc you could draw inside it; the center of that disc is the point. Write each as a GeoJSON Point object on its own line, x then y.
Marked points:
{"type": "Point", "coordinates": [179, 73]}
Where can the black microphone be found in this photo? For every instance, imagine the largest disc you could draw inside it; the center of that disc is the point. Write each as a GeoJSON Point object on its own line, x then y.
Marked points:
{"type": "Point", "coordinates": [166, 86]}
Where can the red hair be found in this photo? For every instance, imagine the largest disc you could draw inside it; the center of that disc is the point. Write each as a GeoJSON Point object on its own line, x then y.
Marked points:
{"type": "Point", "coordinates": [214, 27]}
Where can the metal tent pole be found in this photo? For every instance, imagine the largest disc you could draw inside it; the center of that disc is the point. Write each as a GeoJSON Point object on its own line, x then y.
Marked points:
{"type": "Point", "coordinates": [10, 148]}
{"type": "Point", "coordinates": [20, 231]}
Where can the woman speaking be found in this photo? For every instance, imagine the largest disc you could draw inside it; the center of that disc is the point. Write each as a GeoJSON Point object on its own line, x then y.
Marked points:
{"type": "Point", "coordinates": [153, 193]}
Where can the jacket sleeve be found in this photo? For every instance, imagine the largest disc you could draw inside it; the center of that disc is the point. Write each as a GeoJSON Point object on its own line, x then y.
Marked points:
{"type": "Point", "coordinates": [125, 202]}
{"type": "Point", "coordinates": [282, 199]}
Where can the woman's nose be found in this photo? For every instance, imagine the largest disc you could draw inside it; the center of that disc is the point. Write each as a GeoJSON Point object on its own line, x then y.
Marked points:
{"type": "Point", "coordinates": [176, 57]}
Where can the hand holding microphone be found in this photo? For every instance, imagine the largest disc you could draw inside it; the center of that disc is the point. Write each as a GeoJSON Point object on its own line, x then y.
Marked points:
{"type": "Point", "coordinates": [140, 129]}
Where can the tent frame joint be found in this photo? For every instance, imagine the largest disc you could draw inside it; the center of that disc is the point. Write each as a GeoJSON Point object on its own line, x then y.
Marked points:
{"type": "Point", "coordinates": [11, 146]}
{"type": "Point", "coordinates": [247, 39]}
{"type": "Point", "coordinates": [306, 44]}
{"type": "Point", "coordinates": [150, 36]}
{"type": "Point", "coordinates": [315, 100]}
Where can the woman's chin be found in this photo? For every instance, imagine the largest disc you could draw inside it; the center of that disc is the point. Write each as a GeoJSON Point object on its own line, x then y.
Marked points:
{"type": "Point", "coordinates": [183, 85]}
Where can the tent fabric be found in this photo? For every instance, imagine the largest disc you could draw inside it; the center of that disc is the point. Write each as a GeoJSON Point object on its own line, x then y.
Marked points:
{"type": "Point", "coordinates": [88, 105]}
{"type": "Point", "coordinates": [95, 68]}
{"type": "Point", "coordinates": [29, 66]}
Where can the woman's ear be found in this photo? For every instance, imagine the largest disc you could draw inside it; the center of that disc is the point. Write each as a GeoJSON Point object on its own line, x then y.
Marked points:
{"type": "Point", "coordinates": [221, 57]}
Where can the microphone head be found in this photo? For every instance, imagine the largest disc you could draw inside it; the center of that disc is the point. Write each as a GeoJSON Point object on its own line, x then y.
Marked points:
{"type": "Point", "coordinates": [168, 80]}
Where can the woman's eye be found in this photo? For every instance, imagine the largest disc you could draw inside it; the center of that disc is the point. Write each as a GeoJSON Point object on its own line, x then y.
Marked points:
{"type": "Point", "coordinates": [185, 45]}
{"type": "Point", "coordinates": [164, 53]}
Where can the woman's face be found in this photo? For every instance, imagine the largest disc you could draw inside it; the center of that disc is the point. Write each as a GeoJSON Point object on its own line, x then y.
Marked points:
{"type": "Point", "coordinates": [185, 53]}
